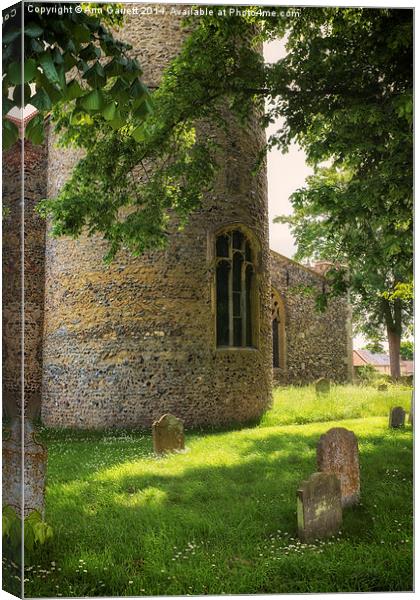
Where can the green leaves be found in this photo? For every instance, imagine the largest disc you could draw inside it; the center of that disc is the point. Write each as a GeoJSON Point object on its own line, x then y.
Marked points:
{"type": "Point", "coordinates": [143, 109]}
{"type": "Point", "coordinates": [10, 133]}
{"type": "Point", "coordinates": [32, 30]}
{"type": "Point", "coordinates": [41, 100]}
{"type": "Point", "coordinates": [95, 75]}
{"type": "Point", "coordinates": [34, 130]}
{"type": "Point", "coordinates": [48, 67]}
{"type": "Point", "coordinates": [11, 36]}
{"type": "Point", "coordinates": [52, 48]}
{"type": "Point", "coordinates": [73, 90]}
{"type": "Point", "coordinates": [139, 134]}
{"type": "Point", "coordinates": [29, 70]}
{"type": "Point", "coordinates": [17, 76]}
{"type": "Point", "coordinates": [120, 91]}
{"type": "Point", "coordinates": [36, 531]}
{"type": "Point", "coordinates": [359, 120]}
{"type": "Point", "coordinates": [116, 67]}
{"type": "Point", "coordinates": [138, 91]}
{"type": "Point", "coordinates": [110, 111]}
{"type": "Point", "coordinates": [14, 73]}
{"type": "Point", "coordinates": [93, 101]}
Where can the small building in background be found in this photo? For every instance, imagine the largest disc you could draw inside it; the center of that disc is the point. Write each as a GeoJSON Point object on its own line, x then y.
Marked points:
{"type": "Point", "coordinates": [380, 362]}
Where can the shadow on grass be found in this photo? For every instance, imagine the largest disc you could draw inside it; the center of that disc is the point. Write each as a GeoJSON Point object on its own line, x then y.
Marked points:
{"type": "Point", "coordinates": [136, 519]}
{"type": "Point", "coordinates": [271, 468]}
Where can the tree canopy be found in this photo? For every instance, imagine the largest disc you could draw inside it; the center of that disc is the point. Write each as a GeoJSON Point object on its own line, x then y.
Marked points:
{"type": "Point", "coordinates": [344, 92]}
{"type": "Point", "coordinates": [356, 126]}
{"type": "Point", "coordinates": [71, 60]}
{"type": "Point", "coordinates": [407, 350]}
{"type": "Point", "coordinates": [215, 68]}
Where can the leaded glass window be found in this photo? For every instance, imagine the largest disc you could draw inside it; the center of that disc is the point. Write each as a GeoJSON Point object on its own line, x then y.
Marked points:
{"type": "Point", "coordinates": [235, 274]}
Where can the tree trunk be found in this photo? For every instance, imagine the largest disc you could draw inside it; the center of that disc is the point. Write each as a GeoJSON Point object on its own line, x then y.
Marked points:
{"type": "Point", "coordinates": [394, 341]}
{"type": "Point", "coordinates": [392, 312]}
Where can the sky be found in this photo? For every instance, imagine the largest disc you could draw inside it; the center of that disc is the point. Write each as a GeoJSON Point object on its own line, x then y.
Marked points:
{"type": "Point", "coordinates": [286, 173]}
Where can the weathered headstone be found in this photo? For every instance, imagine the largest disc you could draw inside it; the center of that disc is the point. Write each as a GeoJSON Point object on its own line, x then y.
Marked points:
{"type": "Point", "coordinates": [396, 417]}
{"type": "Point", "coordinates": [319, 509]}
{"type": "Point", "coordinates": [338, 452]}
{"type": "Point", "coordinates": [382, 387]}
{"type": "Point", "coordinates": [35, 467]}
{"type": "Point", "coordinates": [168, 434]}
{"type": "Point", "coordinates": [322, 386]}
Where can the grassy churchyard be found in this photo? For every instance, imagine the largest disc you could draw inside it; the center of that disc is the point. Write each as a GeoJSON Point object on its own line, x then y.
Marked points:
{"type": "Point", "coordinates": [221, 518]}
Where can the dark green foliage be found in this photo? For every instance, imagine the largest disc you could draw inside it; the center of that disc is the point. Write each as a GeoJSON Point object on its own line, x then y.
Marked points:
{"type": "Point", "coordinates": [375, 346]}
{"type": "Point", "coordinates": [344, 91]}
{"type": "Point", "coordinates": [57, 45]}
{"type": "Point", "coordinates": [347, 99]}
{"type": "Point", "coordinates": [175, 159]}
{"type": "Point", "coordinates": [36, 533]}
{"type": "Point", "coordinates": [366, 373]}
{"type": "Point", "coordinates": [407, 350]}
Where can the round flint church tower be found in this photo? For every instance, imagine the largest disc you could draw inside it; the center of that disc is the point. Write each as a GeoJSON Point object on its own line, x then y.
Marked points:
{"type": "Point", "coordinates": [186, 330]}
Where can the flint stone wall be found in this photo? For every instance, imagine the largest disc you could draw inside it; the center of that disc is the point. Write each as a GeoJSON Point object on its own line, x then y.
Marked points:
{"type": "Point", "coordinates": [34, 227]}
{"type": "Point", "coordinates": [317, 344]}
{"type": "Point", "coordinates": [128, 342]}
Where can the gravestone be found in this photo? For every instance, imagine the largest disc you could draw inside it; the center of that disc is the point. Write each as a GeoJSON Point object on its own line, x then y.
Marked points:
{"type": "Point", "coordinates": [396, 417]}
{"type": "Point", "coordinates": [168, 434]}
{"type": "Point", "coordinates": [322, 386]}
{"type": "Point", "coordinates": [382, 387]}
{"type": "Point", "coordinates": [319, 511]}
{"type": "Point", "coordinates": [35, 467]}
{"type": "Point", "coordinates": [338, 452]}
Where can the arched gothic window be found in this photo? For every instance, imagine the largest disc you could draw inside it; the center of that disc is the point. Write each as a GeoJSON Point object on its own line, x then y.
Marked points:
{"type": "Point", "coordinates": [278, 320]}
{"type": "Point", "coordinates": [235, 284]}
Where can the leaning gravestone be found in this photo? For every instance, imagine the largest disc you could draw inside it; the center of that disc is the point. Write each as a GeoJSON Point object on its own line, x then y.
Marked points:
{"type": "Point", "coordinates": [319, 509]}
{"type": "Point", "coordinates": [337, 452]}
{"type": "Point", "coordinates": [382, 387]}
{"type": "Point", "coordinates": [322, 386]}
{"type": "Point", "coordinates": [396, 417]}
{"type": "Point", "coordinates": [34, 469]}
{"type": "Point", "coordinates": [168, 434]}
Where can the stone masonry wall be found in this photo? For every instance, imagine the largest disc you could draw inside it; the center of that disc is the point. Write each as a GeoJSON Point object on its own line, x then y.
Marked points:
{"type": "Point", "coordinates": [317, 344]}
{"type": "Point", "coordinates": [12, 278]}
{"type": "Point", "coordinates": [34, 240]}
{"type": "Point", "coordinates": [125, 343]}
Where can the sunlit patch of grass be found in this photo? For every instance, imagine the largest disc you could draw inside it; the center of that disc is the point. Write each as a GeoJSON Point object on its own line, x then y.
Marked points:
{"type": "Point", "coordinates": [221, 518]}
{"type": "Point", "coordinates": [301, 404]}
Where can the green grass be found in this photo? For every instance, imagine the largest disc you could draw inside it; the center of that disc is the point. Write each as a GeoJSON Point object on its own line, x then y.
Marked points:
{"type": "Point", "coordinates": [221, 518]}
{"type": "Point", "coordinates": [294, 404]}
